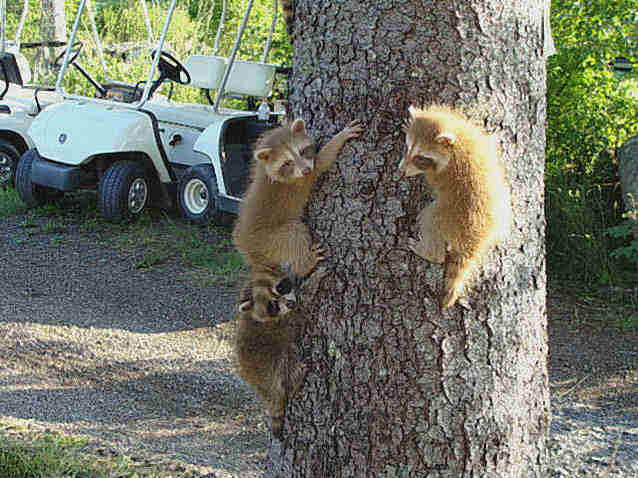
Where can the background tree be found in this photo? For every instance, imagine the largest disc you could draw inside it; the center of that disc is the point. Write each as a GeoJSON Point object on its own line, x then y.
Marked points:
{"type": "Point", "coordinates": [53, 26]}
{"type": "Point", "coordinates": [394, 387]}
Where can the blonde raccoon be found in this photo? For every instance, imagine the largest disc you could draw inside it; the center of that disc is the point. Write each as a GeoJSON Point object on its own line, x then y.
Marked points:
{"type": "Point", "coordinates": [269, 230]}
{"type": "Point", "coordinates": [471, 211]}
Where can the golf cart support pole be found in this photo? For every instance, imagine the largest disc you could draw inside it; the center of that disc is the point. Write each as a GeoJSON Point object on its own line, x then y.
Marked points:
{"type": "Point", "coordinates": [220, 28]}
{"type": "Point", "coordinates": [23, 18]}
{"type": "Point", "coordinates": [96, 37]}
{"type": "Point", "coordinates": [3, 19]}
{"type": "Point", "coordinates": [147, 21]}
{"type": "Point", "coordinates": [151, 74]}
{"type": "Point", "coordinates": [147, 87]}
{"type": "Point", "coordinates": [272, 32]}
{"type": "Point", "coordinates": [220, 92]}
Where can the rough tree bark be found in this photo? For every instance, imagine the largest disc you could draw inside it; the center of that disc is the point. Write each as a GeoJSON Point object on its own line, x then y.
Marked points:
{"type": "Point", "coordinates": [395, 387]}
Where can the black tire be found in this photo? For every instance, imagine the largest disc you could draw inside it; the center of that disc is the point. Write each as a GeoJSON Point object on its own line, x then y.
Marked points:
{"type": "Point", "coordinates": [9, 158]}
{"type": "Point", "coordinates": [32, 194]}
{"type": "Point", "coordinates": [197, 195]}
{"type": "Point", "coordinates": [124, 191]}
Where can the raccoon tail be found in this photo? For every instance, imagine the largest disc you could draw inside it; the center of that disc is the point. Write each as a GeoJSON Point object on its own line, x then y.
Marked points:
{"type": "Point", "coordinates": [457, 272]}
{"type": "Point", "coordinates": [277, 422]}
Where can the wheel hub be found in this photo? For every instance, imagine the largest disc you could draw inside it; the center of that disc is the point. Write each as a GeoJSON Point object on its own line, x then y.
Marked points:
{"type": "Point", "coordinates": [5, 169]}
{"type": "Point", "coordinates": [196, 196]}
{"type": "Point", "coordinates": [137, 195]}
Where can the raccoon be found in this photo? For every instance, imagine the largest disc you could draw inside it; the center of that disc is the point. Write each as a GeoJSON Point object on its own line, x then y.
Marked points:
{"type": "Point", "coordinates": [471, 212]}
{"type": "Point", "coordinates": [269, 230]}
{"type": "Point", "coordinates": [268, 324]}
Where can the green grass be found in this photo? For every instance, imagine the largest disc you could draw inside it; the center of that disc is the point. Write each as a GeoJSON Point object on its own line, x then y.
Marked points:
{"type": "Point", "coordinates": [189, 244]}
{"type": "Point", "coordinates": [156, 238]}
{"type": "Point", "coordinates": [58, 456]}
{"type": "Point", "coordinates": [10, 203]}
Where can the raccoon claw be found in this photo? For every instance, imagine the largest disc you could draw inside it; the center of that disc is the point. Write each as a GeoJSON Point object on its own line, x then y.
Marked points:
{"type": "Point", "coordinates": [318, 253]}
{"type": "Point", "coordinates": [463, 302]}
{"type": "Point", "coordinates": [353, 130]}
{"type": "Point", "coordinates": [413, 245]}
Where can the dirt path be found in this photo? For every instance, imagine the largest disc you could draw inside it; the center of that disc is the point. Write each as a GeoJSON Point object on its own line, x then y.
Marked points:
{"type": "Point", "coordinates": [91, 345]}
{"type": "Point", "coordinates": [138, 360]}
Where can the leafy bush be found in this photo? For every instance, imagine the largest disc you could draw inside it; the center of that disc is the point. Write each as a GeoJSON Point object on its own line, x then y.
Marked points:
{"type": "Point", "coordinates": [591, 111]}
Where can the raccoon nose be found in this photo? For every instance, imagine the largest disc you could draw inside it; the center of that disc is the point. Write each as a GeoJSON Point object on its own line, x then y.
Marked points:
{"type": "Point", "coordinates": [284, 286]}
{"type": "Point", "coordinates": [306, 171]}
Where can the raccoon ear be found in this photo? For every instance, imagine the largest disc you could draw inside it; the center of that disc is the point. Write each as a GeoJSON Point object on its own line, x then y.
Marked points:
{"type": "Point", "coordinates": [263, 154]}
{"type": "Point", "coordinates": [445, 138]}
{"type": "Point", "coordinates": [246, 305]}
{"type": "Point", "coordinates": [298, 126]}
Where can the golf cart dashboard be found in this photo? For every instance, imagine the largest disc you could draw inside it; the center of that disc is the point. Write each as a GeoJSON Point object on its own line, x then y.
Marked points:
{"type": "Point", "coordinates": [122, 92]}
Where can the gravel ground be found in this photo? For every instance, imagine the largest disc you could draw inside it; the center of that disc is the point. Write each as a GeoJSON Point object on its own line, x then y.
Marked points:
{"type": "Point", "coordinates": [138, 360]}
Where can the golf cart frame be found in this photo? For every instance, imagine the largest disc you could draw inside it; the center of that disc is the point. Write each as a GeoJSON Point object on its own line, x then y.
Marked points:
{"type": "Point", "coordinates": [20, 101]}
{"type": "Point", "coordinates": [193, 156]}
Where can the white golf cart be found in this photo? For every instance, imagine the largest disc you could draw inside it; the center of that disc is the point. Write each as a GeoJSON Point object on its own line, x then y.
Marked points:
{"type": "Point", "coordinates": [21, 101]}
{"type": "Point", "coordinates": [134, 149]}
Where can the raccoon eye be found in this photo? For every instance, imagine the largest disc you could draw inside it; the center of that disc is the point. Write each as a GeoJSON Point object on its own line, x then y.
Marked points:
{"type": "Point", "coordinates": [284, 286]}
{"type": "Point", "coordinates": [422, 162]}
{"type": "Point", "coordinates": [287, 168]}
{"type": "Point", "coordinates": [273, 308]}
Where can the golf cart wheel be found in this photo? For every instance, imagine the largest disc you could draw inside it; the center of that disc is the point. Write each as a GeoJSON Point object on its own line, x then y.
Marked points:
{"type": "Point", "coordinates": [9, 158]}
{"type": "Point", "coordinates": [32, 194]}
{"type": "Point", "coordinates": [197, 194]}
{"type": "Point", "coordinates": [124, 191]}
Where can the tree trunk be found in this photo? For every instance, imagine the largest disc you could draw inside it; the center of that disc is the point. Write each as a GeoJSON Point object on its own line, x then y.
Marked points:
{"type": "Point", "coordinates": [53, 28]}
{"type": "Point", "coordinates": [394, 387]}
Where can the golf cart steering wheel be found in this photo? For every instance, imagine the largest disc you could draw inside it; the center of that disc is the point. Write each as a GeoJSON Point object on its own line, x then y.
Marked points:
{"type": "Point", "coordinates": [76, 48]}
{"type": "Point", "coordinates": [169, 67]}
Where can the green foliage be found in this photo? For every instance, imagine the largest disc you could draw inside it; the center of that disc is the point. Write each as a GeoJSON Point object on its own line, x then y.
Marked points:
{"type": "Point", "coordinates": [192, 31]}
{"type": "Point", "coordinates": [591, 111]}
{"type": "Point", "coordinates": [627, 231]}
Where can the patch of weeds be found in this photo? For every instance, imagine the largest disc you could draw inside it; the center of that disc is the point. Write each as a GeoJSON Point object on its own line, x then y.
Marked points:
{"type": "Point", "coordinates": [52, 227]}
{"type": "Point", "coordinates": [60, 456]}
{"type": "Point", "coordinates": [28, 222]}
{"type": "Point", "coordinates": [167, 240]}
{"type": "Point", "coordinates": [608, 306]}
{"type": "Point", "coordinates": [90, 224]}
{"type": "Point", "coordinates": [56, 241]}
{"type": "Point", "coordinates": [49, 209]}
{"type": "Point", "coordinates": [154, 257]}
{"type": "Point", "coordinates": [10, 203]}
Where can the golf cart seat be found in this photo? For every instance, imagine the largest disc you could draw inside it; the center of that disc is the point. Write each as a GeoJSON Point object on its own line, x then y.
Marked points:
{"type": "Point", "coordinates": [247, 78]}
{"type": "Point", "coordinates": [250, 78]}
{"type": "Point", "coordinates": [206, 71]}
{"type": "Point", "coordinates": [15, 69]}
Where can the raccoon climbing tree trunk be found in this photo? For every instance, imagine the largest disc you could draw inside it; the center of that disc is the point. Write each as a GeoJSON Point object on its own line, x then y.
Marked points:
{"type": "Point", "coordinates": [394, 387]}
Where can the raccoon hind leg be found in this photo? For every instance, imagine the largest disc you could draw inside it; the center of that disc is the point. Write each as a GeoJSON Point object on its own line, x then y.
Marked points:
{"type": "Point", "coordinates": [430, 246]}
